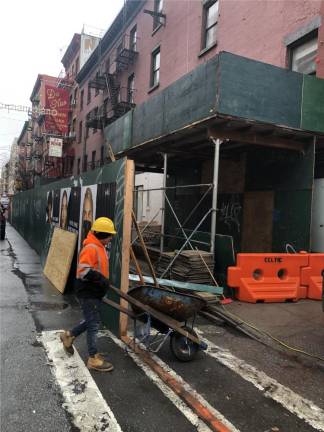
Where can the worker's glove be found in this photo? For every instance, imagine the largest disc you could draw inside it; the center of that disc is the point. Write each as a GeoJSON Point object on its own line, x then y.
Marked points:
{"type": "Point", "coordinates": [97, 278]}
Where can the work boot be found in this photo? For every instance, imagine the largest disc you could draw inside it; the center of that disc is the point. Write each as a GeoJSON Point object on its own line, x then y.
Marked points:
{"type": "Point", "coordinates": [67, 340]}
{"type": "Point", "coordinates": [98, 363]}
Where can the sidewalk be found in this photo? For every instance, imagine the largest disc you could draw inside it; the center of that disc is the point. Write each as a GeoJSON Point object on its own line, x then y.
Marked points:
{"type": "Point", "coordinates": [30, 400]}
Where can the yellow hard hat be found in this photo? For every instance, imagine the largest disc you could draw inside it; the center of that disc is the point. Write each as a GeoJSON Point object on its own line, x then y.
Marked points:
{"type": "Point", "coordinates": [103, 224]}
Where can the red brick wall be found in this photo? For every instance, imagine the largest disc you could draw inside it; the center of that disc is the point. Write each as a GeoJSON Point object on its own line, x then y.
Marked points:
{"type": "Point", "coordinates": [251, 28]}
{"type": "Point", "coordinates": [320, 64]}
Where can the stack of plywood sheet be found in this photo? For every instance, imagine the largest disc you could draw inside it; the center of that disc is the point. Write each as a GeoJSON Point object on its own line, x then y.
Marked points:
{"type": "Point", "coordinates": [188, 267]}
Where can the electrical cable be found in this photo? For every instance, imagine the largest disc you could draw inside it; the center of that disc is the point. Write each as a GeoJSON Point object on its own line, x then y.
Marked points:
{"type": "Point", "coordinates": [272, 337]}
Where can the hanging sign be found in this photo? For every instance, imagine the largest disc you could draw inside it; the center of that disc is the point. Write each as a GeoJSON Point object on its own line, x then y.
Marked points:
{"type": "Point", "coordinates": [55, 147]}
{"type": "Point", "coordinates": [57, 101]}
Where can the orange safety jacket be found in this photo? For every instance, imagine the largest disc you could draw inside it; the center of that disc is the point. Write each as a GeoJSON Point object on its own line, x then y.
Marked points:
{"type": "Point", "coordinates": [93, 256]}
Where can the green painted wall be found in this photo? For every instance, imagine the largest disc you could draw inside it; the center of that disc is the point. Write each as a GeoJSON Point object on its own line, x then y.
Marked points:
{"type": "Point", "coordinates": [29, 218]}
{"type": "Point", "coordinates": [312, 117]}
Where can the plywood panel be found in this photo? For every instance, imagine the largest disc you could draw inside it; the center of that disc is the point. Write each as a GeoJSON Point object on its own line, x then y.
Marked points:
{"type": "Point", "coordinates": [60, 257]}
{"type": "Point", "coordinates": [257, 221]}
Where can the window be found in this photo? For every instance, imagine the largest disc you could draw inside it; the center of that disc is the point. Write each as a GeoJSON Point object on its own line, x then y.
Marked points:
{"type": "Point", "coordinates": [101, 155]}
{"type": "Point", "coordinates": [93, 160]}
{"type": "Point", "coordinates": [155, 71]}
{"type": "Point", "coordinates": [158, 6]}
{"type": "Point", "coordinates": [87, 127]}
{"type": "Point", "coordinates": [71, 101]}
{"type": "Point", "coordinates": [133, 38]}
{"type": "Point", "coordinates": [79, 163]}
{"type": "Point", "coordinates": [73, 125]}
{"type": "Point", "coordinates": [210, 24]}
{"type": "Point", "coordinates": [85, 162]}
{"type": "Point", "coordinates": [108, 65]}
{"type": "Point", "coordinates": [95, 115]}
{"type": "Point", "coordinates": [130, 89]}
{"type": "Point", "coordinates": [302, 54]}
{"type": "Point", "coordinates": [89, 95]}
{"type": "Point", "coordinates": [97, 90]}
{"type": "Point", "coordinates": [80, 132]}
{"type": "Point", "coordinates": [77, 65]}
{"type": "Point", "coordinates": [75, 95]}
{"type": "Point", "coordinates": [81, 99]}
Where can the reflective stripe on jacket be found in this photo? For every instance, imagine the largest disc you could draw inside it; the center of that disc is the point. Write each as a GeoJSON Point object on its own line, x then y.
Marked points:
{"type": "Point", "coordinates": [93, 256]}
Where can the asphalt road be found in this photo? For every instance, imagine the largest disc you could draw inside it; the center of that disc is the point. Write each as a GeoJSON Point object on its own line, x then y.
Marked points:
{"type": "Point", "coordinates": [245, 387]}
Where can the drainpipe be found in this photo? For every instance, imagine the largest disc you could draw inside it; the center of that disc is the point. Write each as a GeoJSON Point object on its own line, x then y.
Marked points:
{"type": "Point", "coordinates": [217, 142]}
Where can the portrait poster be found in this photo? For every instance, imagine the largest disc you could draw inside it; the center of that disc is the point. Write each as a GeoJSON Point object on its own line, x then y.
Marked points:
{"type": "Point", "coordinates": [56, 207]}
{"type": "Point", "coordinates": [65, 196]}
{"type": "Point", "coordinates": [49, 206]}
{"type": "Point", "coordinates": [74, 209]}
{"type": "Point", "coordinates": [106, 198]}
{"type": "Point", "coordinates": [87, 211]}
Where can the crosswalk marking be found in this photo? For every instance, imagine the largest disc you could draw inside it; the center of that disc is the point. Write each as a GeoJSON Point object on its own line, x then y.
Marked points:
{"type": "Point", "coordinates": [296, 404]}
{"type": "Point", "coordinates": [82, 397]}
{"type": "Point", "coordinates": [186, 411]}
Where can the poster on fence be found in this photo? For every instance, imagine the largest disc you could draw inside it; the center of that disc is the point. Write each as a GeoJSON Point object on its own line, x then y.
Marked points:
{"type": "Point", "coordinates": [49, 207]}
{"type": "Point", "coordinates": [65, 196]}
{"type": "Point", "coordinates": [56, 207]}
{"type": "Point", "coordinates": [87, 211]}
{"type": "Point", "coordinates": [74, 209]}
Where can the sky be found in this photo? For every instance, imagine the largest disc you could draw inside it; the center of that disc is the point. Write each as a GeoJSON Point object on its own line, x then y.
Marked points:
{"type": "Point", "coordinates": [35, 35]}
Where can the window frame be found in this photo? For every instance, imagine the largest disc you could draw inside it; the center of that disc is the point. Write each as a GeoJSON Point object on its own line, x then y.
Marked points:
{"type": "Point", "coordinates": [154, 53]}
{"type": "Point", "coordinates": [130, 89]}
{"type": "Point", "coordinates": [81, 99]}
{"type": "Point", "coordinates": [158, 7]}
{"type": "Point", "coordinates": [133, 38]}
{"type": "Point", "coordinates": [299, 42]}
{"type": "Point", "coordinates": [89, 95]}
{"type": "Point", "coordinates": [206, 6]}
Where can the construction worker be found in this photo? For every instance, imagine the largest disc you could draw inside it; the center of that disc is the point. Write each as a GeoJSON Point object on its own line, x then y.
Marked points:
{"type": "Point", "coordinates": [91, 285]}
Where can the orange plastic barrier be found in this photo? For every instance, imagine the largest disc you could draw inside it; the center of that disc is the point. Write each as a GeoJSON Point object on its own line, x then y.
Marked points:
{"type": "Point", "coordinates": [268, 277]}
{"type": "Point", "coordinates": [311, 276]}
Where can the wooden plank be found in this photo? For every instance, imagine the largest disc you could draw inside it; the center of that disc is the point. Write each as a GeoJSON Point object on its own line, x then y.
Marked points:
{"type": "Point", "coordinates": [188, 397]}
{"type": "Point", "coordinates": [144, 249]}
{"type": "Point", "coordinates": [59, 258]}
{"type": "Point", "coordinates": [257, 221]}
{"type": "Point", "coordinates": [127, 229]}
{"type": "Point", "coordinates": [138, 269]}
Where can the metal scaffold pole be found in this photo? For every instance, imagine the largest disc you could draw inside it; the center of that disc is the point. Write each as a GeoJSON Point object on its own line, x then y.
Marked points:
{"type": "Point", "coordinates": [217, 142]}
{"type": "Point", "coordinates": [165, 168]}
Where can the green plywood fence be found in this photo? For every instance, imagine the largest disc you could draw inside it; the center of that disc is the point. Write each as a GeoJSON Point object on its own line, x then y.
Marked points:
{"type": "Point", "coordinates": [30, 216]}
{"type": "Point", "coordinates": [313, 104]}
{"type": "Point", "coordinates": [259, 91]}
{"type": "Point", "coordinates": [227, 84]}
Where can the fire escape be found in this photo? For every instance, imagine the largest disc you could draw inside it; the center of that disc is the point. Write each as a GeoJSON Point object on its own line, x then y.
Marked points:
{"type": "Point", "coordinates": [120, 99]}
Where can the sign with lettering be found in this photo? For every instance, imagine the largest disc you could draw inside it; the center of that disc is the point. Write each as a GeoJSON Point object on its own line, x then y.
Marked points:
{"type": "Point", "coordinates": [55, 147]}
{"type": "Point", "coordinates": [56, 100]}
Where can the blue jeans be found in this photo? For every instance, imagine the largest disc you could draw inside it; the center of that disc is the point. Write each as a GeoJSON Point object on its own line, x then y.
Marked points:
{"type": "Point", "coordinates": [91, 312]}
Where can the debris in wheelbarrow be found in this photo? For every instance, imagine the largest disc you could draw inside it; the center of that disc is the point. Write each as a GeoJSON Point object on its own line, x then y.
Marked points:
{"type": "Point", "coordinates": [170, 313]}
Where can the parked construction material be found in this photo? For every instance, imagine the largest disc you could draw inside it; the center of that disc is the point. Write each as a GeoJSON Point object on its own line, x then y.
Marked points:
{"type": "Point", "coordinates": [268, 277]}
{"type": "Point", "coordinates": [189, 267]}
{"type": "Point", "coordinates": [311, 276]}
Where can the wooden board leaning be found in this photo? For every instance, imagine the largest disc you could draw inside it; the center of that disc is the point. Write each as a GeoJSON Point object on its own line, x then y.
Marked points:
{"type": "Point", "coordinates": [59, 258]}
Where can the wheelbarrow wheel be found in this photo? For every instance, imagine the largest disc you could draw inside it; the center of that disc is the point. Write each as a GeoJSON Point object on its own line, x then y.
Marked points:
{"type": "Point", "coordinates": [183, 348]}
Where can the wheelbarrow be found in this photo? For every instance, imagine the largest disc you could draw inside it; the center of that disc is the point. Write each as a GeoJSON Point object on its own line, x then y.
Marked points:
{"type": "Point", "coordinates": [170, 313]}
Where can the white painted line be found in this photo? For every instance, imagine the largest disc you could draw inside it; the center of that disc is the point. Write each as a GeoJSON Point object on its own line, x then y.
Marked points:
{"type": "Point", "coordinates": [82, 397]}
{"type": "Point", "coordinates": [303, 408]}
{"type": "Point", "coordinates": [182, 406]}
